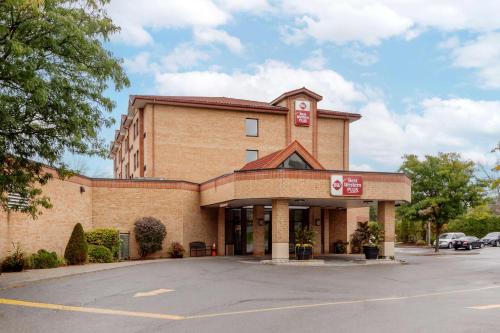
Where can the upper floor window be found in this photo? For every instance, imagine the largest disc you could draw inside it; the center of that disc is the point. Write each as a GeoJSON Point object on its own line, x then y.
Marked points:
{"type": "Point", "coordinates": [252, 155]}
{"type": "Point", "coordinates": [294, 162]}
{"type": "Point", "coordinates": [252, 127]}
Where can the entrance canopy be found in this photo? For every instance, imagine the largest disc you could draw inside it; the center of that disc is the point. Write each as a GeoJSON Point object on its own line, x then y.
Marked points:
{"type": "Point", "coordinates": [295, 175]}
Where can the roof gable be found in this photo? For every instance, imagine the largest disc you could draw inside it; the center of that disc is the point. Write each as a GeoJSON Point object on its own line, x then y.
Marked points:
{"type": "Point", "coordinates": [302, 90]}
{"type": "Point", "coordinates": [273, 160]}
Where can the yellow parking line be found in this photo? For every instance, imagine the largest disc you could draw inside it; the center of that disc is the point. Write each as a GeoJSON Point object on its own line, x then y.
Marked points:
{"type": "Point", "coordinates": [303, 306]}
{"type": "Point", "coordinates": [89, 310]}
{"type": "Point", "coordinates": [220, 314]}
{"type": "Point", "coordinates": [484, 307]}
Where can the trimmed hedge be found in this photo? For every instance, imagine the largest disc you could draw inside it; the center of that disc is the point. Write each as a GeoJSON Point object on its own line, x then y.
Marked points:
{"type": "Point", "coordinates": [108, 237]}
{"type": "Point", "coordinates": [149, 233]}
{"type": "Point", "coordinates": [475, 227]}
{"type": "Point", "coordinates": [77, 248]}
{"type": "Point", "coordinates": [99, 253]}
{"type": "Point", "coordinates": [44, 259]}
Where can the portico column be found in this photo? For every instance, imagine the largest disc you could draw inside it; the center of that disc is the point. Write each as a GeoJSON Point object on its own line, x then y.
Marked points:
{"type": "Point", "coordinates": [221, 232]}
{"type": "Point", "coordinates": [326, 230]}
{"type": "Point", "coordinates": [315, 214]}
{"type": "Point", "coordinates": [280, 229]}
{"type": "Point", "coordinates": [385, 216]}
{"type": "Point", "coordinates": [258, 231]}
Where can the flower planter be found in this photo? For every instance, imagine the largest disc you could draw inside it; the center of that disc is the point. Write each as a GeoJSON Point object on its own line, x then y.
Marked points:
{"type": "Point", "coordinates": [303, 252]}
{"type": "Point", "coordinates": [371, 252]}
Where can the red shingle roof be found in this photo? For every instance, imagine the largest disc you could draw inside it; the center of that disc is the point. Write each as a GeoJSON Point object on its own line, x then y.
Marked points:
{"type": "Point", "coordinates": [273, 160]}
{"type": "Point", "coordinates": [210, 101]}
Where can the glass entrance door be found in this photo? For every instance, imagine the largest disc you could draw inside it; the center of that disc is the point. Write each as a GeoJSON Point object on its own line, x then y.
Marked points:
{"type": "Point", "coordinates": [239, 230]}
{"type": "Point", "coordinates": [299, 219]}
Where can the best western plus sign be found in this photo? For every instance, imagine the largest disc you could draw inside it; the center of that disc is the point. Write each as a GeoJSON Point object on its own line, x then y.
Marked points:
{"type": "Point", "coordinates": [302, 113]}
{"type": "Point", "coordinates": [346, 185]}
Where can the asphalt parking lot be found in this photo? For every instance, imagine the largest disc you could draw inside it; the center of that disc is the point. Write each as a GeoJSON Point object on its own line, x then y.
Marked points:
{"type": "Point", "coordinates": [458, 292]}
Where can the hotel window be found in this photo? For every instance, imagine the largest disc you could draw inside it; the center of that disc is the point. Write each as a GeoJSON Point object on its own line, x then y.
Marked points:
{"type": "Point", "coordinates": [252, 155]}
{"type": "Point", "coordinates": [295, 161]}
{"type": "Point", "coordinates": [252, 127]}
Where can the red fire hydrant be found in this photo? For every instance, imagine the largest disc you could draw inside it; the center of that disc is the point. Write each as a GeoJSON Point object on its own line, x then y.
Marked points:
{"type": "Point", "coordinates": [214, 250]}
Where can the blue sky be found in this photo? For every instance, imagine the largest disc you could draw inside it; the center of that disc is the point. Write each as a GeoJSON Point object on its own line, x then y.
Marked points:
{"type": "Point", "coordinates": [425, 75]}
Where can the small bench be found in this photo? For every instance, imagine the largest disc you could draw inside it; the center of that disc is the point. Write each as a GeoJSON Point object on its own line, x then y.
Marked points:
{"type": "Point", "coordinates": [199, 249]}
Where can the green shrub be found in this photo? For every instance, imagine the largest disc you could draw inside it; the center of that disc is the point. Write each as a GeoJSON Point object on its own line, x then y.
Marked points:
{"type": "Point", "coordinates": [76, 250]}
{"type": "Point", "coordinates": [15, 261]}
{"type": "Point", "coordinates": [473, 226]}
{"type": "Point", "coordinates": [100, 253]}
{"type": "Point", "coordinates": [44, 259]}
{"type": "Point", "coordinates": [176, 250]}
{"type": "Point", "coordinates": [107, 237]}
{"type": "Point", "coordinates": [421, 242]}
{"type": "Point", "coordinates": [149, 233]}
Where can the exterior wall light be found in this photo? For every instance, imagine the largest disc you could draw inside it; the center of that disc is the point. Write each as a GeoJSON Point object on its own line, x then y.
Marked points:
{"type": "Point", "coordinates": [318, 222]}
{"type": "Point", "coordinates": [82, 189]}
{"type": "Point", "coordinates": [261, 222]}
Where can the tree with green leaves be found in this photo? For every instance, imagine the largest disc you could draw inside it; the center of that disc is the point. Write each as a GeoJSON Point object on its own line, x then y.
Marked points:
{"type": "Point", "coordinates": [54, 71]}
{"type": "Point", "coordinates": [496, 182]}
{"type": "Point", "coordinates": [443, 188]}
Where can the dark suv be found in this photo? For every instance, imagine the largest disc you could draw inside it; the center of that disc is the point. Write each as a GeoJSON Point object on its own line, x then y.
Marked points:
{"type": "Point", "coordinates": [493, 239]}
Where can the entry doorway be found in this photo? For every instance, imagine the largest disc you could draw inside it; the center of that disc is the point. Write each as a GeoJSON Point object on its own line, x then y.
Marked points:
{"type": "Point", "coordinates": [298, 220]}
{"type": "Point", "coordinates": [239, 230]}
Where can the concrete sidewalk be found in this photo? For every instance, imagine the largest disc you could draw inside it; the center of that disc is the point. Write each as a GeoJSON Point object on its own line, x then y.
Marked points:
{"type": "Point", "coordinates": [10, 280]}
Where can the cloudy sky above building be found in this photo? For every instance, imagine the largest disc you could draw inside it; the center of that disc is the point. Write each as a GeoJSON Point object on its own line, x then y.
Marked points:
{"type": "Point", "coordinates": [424, 74]}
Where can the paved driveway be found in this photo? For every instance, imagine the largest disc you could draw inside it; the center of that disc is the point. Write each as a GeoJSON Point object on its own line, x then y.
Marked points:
{"type": "Point", "coordinates": [431, 293]}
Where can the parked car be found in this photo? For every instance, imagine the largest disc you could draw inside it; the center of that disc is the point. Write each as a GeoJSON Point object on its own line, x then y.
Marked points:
{"type": "Point", "coordinates": [449, 238]}
{"type": "Point", "coordinates": [468, 243]}
{"type": "Point", "coordinates": [493, 239]}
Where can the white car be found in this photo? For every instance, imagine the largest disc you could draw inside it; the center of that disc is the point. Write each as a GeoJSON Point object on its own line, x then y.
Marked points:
{"type": "Point", "coordinates": [448, 239]}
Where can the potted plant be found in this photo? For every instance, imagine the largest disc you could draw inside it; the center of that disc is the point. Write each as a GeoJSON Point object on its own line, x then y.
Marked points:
{"type": "Point", "coordinates": [367, 235]}
{"type": "Point", "coordinates": [304, 241]}
{"type": "Point", "coordinates": [176, 250]}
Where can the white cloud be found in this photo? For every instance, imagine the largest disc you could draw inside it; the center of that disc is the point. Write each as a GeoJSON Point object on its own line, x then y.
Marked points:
{"type": "Point", "coordinates": [183, 56]}
{"type": "Point", "coordinates": [253, 6]}
{"type": "Point", "coordinates": [139, 63]}
{"type": "Point", "coordinates": [465, 126]}
{"type": "Point", "coordinates": [370, 22]}
{"type": "Point", "coordinates": [482, 54]}
{"type": "Point", "coordinates": [356, 55]}
{"type": "Point", "coordinates": [264, 83]}
{"type": "Point", "coordinates": [316, 60]}
{"type": "Point", "coordinates": [211, 36]}
{"type": "Point", "coordinates": [449, 43]}
{"type": "Point", "coordinates": [135, 18]}
{"type": "Point", "coordinates": [343, 21]}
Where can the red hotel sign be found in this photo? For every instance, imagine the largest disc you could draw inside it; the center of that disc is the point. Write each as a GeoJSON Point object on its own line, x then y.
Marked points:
{"type": "Point", "coordinates": [302, 113]}
{"type": "Point", "coordinates": [346, 185]}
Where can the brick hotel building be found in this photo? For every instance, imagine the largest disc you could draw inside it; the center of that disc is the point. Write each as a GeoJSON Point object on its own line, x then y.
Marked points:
{"type": "Point", "coordinates": [242, 174]}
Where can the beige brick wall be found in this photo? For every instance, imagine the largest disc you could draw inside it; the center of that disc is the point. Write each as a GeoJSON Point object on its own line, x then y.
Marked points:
{"type": "Point", "coordinates": [258, 231]}
{"type": "Point", "coordinates": [51, 230]}
{"type": "Point", "coordinates": [199, 144]}
{"type": "Point", "coordinates": [179, 210]}
{"type": "Point", "coordinates": [108, 207]}
{"type": "Point", "coordinates": [315, 213]}
{"type": "Point", "coordinates": [330, 143]}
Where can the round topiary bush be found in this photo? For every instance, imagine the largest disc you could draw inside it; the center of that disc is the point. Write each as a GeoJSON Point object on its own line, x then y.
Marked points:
{"type": "Point", "coordinates": [108, 237]}
{"type": "Point", "coordinates": [44, 259]}
{"type": "Point", "coordinates": [149, 233]}
{"type": "Point", "coordinates": [100, 253]}
{"type": "Point", "coordinates": [77, 248]}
